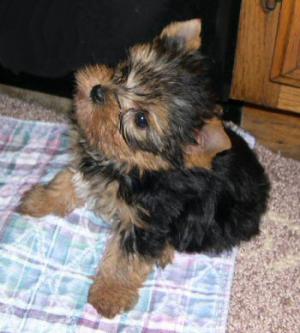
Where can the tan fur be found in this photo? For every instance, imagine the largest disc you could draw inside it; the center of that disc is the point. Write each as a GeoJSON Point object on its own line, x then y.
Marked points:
{"type": "Point", "coordinates": [144, 54]}
{"type": "Point", "coordinates": [189, 31]}
{"type": "Point", "coordinates": [99, 195]}
{"type": "Point", "coordinates": [167, 257]}
{"type": "Point", "coordinates": [160, 119]}
{"type": "Point", "coordinates": [211, 140]}
{"type": "Point", "coordinates": [196, 160]}
{"type": "Point", "coordinates": [129, 215]}
{"type": "Point", "coordinates": [102, 197]}
{"type": "Point", "coordinates": [116, 286]}
{"type": "Point", "coordinates": [58, 197]}
{"type": "Point", "coordinates": [101, 123]}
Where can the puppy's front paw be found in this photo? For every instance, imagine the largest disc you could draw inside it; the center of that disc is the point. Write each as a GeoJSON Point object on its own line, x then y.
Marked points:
{"type": "Point", "coordinates": [110, 299]}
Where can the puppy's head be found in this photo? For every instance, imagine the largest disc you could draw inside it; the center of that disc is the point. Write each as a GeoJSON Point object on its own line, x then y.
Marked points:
{"type": "Point", "coordinates": [151, 107]}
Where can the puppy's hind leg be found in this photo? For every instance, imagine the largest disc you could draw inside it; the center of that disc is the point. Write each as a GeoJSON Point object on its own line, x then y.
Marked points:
{"type": "Point", "coordinates": [58, 197]}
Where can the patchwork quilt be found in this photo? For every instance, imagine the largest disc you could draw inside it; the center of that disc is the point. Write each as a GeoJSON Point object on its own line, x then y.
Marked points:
{"type": "Point", "coordinates": [47, 264]}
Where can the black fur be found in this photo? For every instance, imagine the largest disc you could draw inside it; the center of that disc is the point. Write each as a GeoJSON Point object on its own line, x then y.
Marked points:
{"type": "Point", "coordinates": [199, 210]}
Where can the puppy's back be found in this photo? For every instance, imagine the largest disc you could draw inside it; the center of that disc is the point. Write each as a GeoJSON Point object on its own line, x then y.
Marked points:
{"type": "Point", "coordinates": [232, 198]}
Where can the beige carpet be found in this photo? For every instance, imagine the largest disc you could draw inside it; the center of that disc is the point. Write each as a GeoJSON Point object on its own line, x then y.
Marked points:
{"type": "Point", "coordinates": [266, 289]}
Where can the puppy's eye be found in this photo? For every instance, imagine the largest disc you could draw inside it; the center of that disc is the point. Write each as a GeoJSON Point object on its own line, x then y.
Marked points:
{"type": "Point", "coordinates": [141, 120]}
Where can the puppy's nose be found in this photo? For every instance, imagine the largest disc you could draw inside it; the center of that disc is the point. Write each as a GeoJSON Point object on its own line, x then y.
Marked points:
{"type": "Point", "coordinates": [97, 94]}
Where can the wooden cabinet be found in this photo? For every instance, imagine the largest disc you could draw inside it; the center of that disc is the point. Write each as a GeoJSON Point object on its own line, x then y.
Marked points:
{"type": "Point", "coordinates": [267, 61]}
{"type": "Point", "coordinates": [286, 61]}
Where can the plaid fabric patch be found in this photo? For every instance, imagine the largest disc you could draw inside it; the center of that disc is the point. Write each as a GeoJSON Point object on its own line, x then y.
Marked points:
{"type": "Point", "coordinates": [46, 264]}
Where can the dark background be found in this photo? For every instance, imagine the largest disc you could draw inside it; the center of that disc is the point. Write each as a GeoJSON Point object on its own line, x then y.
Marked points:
{"type": "Point", "coordinates": [42, 42]}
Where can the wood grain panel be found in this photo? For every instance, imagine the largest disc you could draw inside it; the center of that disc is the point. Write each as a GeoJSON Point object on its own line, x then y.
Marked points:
{"type": "Point", "coordinates": [289, 99]}
{"type": "Point", "coordinates": [254, 57]}
{"type": "Point", "coordinates": [286, 61]}
{"type": "Point", "coordinates": [279, 132]}
{"type": "Point", "coordinates": [253, 60]}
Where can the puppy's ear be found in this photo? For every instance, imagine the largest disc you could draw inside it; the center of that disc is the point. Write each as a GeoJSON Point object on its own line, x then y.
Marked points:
{"type": "Point", "coordinates": [185, 34]}
{"type": "Point", "coordinates": [211, 140]}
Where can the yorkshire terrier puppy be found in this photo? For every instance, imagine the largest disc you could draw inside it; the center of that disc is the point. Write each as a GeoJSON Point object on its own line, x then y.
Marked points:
{"type": "Point", "coordinates": [151, 156]}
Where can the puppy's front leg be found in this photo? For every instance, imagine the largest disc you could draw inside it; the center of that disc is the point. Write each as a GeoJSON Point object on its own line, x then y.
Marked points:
{"type": "Point", "coordinates": [116, 286]}
{"type": "Point", "coordinates": [58, 197]}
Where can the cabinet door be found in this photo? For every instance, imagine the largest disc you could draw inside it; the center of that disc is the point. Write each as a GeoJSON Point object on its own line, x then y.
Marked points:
{"type": "Point", "coordinates": [286, 62]}
{"type": "Point", "coordinates": [266, 70]}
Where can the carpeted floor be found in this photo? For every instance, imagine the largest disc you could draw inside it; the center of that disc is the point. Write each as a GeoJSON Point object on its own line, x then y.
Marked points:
{"type": "Point", "coordinates": [266, 290]}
